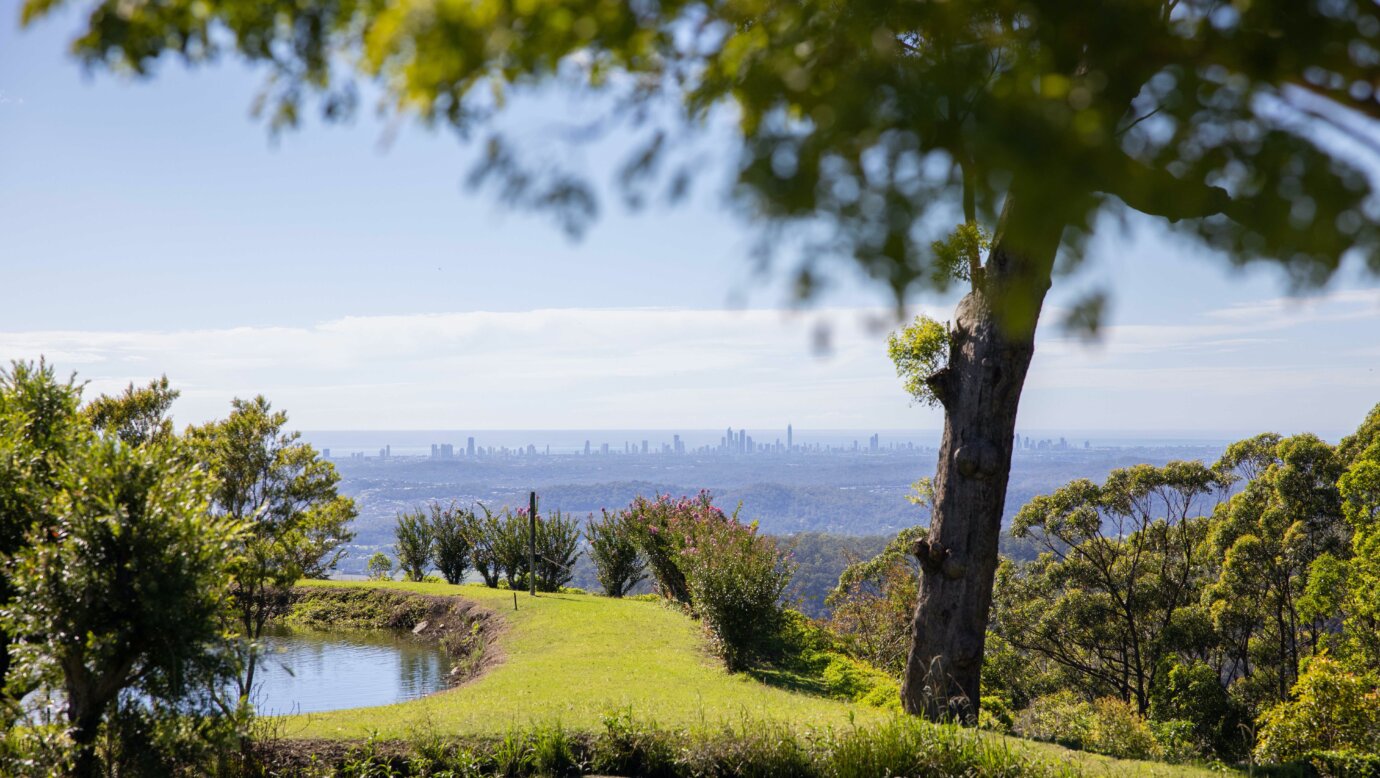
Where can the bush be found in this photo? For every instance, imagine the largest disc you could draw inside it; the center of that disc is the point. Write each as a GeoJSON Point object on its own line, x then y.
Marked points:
{"type": "Point", "coordinates": [380, 567]}
{"type": "Point", "coordinates": [1060, 717]}
{"type": "Point", "coordinates": [413, 544]}
{"type": "Point", "coordinates": [619, 565]}
{"type": "Point", "coordinates": [1194, 693]}
{"type": "Point", "coordinates": [731, 577]}
{"type": "Point", "coordinates": [658, 528]}
{"type": "Point", "coordinates": [1106, 726]}
{"type": "Point", "coordinates": [452, 532]}
{"type": "Point", "coordinates": [486, 539]}
{"type": "Point", "coordinates": [508, 536]}
{"type": "Point", "coordinates": [735, 578]}
{"type": "Point", "coordinates": [1119, 730]}
{"type": "Point", "coordinates": [558, 546]}
{"type": "Point", "coordinates": [1333, 709]}
{"type": "Point", "coordinates": [1344, 764]}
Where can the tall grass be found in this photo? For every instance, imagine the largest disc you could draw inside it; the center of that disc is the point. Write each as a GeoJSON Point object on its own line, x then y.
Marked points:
{"type": "Point", "coordinates": [900, 747]}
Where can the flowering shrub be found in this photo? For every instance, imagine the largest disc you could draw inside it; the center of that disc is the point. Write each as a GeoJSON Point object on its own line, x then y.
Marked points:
{"type": "Point", "coordinates": [728, 574]}
{"type": "Point", "coordinates": [659, 527]}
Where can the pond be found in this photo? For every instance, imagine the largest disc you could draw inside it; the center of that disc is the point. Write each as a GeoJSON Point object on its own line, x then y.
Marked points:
{"type": "Point", "coordinates": [308, 671]}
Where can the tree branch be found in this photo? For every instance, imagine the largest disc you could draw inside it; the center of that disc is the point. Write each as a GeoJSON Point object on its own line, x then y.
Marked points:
{"type": "Point", "coordinates": [1158, 193]}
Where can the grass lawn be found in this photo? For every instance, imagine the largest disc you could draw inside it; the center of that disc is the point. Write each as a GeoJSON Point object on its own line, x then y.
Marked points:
{"type": "Point", "coordinates": [572, 658]}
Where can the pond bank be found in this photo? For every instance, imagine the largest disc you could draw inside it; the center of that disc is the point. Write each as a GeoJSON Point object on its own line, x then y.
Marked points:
{"type": "Point", "coordinates": [465, 630]}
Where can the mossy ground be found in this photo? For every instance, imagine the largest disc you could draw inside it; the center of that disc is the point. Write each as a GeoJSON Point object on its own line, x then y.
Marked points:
{"type": "Point", "coordinates": [573, 660]}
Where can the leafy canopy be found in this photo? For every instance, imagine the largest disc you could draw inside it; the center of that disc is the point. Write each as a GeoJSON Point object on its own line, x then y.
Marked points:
{"type": "Point", "coordinates": [919, 351]}
{"type": "Point", "coordinates": [876, 126]}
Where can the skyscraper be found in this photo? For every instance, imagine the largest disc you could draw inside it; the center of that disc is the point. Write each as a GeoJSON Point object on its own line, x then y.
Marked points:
{"type": "Point", "coordinates": [469, 448]}
{"type": "Point", "coordinates": [790, 438]}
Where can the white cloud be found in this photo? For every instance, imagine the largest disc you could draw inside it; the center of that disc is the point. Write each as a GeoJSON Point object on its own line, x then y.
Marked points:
{"type": "Point", "coordinates": [677, 368]}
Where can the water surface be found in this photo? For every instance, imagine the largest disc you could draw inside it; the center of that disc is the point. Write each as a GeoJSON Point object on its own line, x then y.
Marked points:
{"type": "Point", "coordinates": [308, 671]}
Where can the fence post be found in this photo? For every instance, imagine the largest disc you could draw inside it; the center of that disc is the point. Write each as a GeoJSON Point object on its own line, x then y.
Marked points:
{"type": "Point", "coordinates": [532, 547]}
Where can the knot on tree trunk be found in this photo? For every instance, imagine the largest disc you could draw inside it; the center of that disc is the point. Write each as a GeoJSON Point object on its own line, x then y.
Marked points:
{"type": "Point", "coordinates": [939, 385]}
{"type": "Point", "coordinates": [935, 559]}
{"type": "Point", "coordinates": [977, 460]}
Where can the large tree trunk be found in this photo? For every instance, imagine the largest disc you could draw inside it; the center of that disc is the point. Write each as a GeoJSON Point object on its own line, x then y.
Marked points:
{"type": "Point", "coordinates": [993, 340]}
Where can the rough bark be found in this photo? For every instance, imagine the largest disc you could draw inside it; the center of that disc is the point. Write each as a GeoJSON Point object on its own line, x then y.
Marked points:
{"type": "Point", "coordinates": [993, 341]}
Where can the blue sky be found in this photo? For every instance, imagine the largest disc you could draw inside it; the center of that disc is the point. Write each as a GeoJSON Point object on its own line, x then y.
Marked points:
{"type": "Point", "coordinates": [154, 226]}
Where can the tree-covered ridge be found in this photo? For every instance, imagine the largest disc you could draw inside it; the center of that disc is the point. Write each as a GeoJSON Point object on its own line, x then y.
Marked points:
{"type": "Point", "coordinates": [1250, 629]}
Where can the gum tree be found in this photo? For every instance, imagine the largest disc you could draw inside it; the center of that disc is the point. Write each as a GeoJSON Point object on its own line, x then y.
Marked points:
{"type": "Point", "coordinates": [868, 130]}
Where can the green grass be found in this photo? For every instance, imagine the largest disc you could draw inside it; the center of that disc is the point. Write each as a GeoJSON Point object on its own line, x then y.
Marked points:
{"type": "Point", "coordinates": [572, 659]}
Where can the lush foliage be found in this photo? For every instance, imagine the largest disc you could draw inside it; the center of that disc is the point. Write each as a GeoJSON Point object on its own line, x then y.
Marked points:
{"type": "Point", "coordinates": [125, 588]}
{"type": "Point", "coordinates": [1332, 708]}
{"type": "Point", "coordinates": [611, 546]}
{"type": "Point", "coordinates": [558, 546]}
{"type": "Point", "coordinates": [452, 540]}
{"type": "Point", "coordinates": [266, 479]}
{"type": "Point", "coordinates": [1105, 726]}
{"type": "Point", "coordinates": [1115, 591]}
{"type": "Point", "coordinates": [380, 567]}
{"type": "Point", "coordinates": [919, 351]}
{"type": "Point", "coordinates": [874, 602]}
{"type": "Point", "coordinates": [39, 432]}
{"type": "Point", "coordinates": [412, 545]}
{"type": "Point", "coordinates": [729, 575]}
{"type": "Point", "coordinates": [114, 581]}
{"type": "Point", "coordinates": [735, 578]}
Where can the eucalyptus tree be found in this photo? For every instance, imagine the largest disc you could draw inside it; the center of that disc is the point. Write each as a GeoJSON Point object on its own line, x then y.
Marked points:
{"type": "Point", "coordinates": [1360, 490]}
{"type": "Point", "coordinates": [1116, 588]}
{"type": "Point", "coordinates": [868, 130]}
{"type": "Point", "coordinates": [1269, 537]}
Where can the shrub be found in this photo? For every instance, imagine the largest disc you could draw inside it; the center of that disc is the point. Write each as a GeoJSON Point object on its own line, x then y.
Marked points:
{"type": "Point", "coordinates": [1106, 726]}
{"type": "Point", "coordinates": [1194, 693]}
{"type": "Point", "coordinates": [1060, 717]}
{"type": "Point", "coordinates": [1119, 730]}
{"type": "Point", "coordinates": [620, 566]}
{"type": "Point", "coordinates": [486, 538]}
{"type": "Point", "coordinates": [413, 544]}
{"type": "Point", "coordinates": [452, 532]}
{"type": "Point", "coordinates": [558, 546]}
{"type": "Point", "coordinates": [508, 536]}
{"type": "Point", "coordinates": [735, 578]}
{"type": "Point", "coordinates": [850, 679]}
{"type": "Point", "coordinates": [658, 528]}
{"type": "Point", "coordinates": [380, 567]}
{"type": "Point", "coordinates": [731, 577]}
{"type": "Point", "coordinates": [1345, 764]}
{"type": "Point", "coordinates": [1333, 709]}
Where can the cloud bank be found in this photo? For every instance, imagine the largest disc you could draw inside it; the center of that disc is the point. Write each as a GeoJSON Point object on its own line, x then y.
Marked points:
{"type": "Point", "coordinates": [1282, 364]}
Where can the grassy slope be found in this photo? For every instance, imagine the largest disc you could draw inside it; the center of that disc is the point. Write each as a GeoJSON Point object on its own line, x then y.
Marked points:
{"type": "Point", "coordinates": [572, 658]}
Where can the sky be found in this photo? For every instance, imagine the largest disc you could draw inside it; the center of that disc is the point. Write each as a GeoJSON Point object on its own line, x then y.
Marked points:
{"type": "Point", "coordinates": [155, 226]}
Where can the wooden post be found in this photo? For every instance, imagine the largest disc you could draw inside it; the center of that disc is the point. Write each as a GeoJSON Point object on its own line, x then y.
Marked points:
{"type": "Point", "coordinates": [532, 547]}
